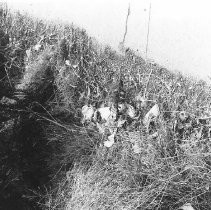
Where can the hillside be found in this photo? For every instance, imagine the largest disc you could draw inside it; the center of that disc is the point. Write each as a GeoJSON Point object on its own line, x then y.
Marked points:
{"type": "Point", "coordinates": [83, 127]}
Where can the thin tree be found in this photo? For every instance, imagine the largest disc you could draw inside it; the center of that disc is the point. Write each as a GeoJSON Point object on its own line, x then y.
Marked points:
{"type": "Point", "coordinates": [148, 30]}
{"type": "Point", "coordinates": [121, 44]}
{"type": "Point", "coordinates": [128, 13]}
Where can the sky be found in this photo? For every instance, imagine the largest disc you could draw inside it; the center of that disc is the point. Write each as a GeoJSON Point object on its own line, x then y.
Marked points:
{"type": "Point", "coordinates": [179, 30]}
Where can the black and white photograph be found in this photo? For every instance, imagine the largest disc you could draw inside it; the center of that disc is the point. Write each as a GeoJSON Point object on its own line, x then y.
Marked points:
{"type": "Point", "coordinates": [105, 105]}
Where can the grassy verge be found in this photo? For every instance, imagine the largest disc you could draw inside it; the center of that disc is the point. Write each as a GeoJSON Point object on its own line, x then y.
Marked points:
{"type": "Point", "coordinates": [61, 68]}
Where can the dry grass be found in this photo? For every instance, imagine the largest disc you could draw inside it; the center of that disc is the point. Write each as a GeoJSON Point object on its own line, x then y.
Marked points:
{"type": "Point", "coordinates": [117, 178]}
{"type": "Point", "coordinates": [164, 175]}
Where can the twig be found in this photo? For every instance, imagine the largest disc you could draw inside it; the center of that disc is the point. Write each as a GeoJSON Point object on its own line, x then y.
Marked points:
{"type": "Point", "coordinates": [128, 13]}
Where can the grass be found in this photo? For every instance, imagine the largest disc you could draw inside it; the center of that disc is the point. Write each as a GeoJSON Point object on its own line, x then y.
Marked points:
{"type": "Point", "coordinates": [170, 170]}
{"type": "Point", "coordinates": [117, 178]}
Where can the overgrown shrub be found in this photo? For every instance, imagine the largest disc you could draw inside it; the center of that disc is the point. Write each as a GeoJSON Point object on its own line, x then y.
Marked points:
{"type": "Point", "coordinates": [120, 179]}
{"type": "Point", "coordinates": [63, 66]}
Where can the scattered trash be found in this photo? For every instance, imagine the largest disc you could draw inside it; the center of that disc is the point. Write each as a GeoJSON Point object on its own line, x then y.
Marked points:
{"type": "Point", "coordinates": [37, 47]}
{"type": "Point", "coordinates": [141, 102]}
{"type": "Point", "coordinates": [106, 114]}
{"type": "Point", "coordinates": [110, 140]}
{"type": "Point", "coordinates": [75, 66]}
{"type": "Point", "coordinates": [153, 113]}
{"type": "Point", "coordinates": [87, 112]}
{"type": "Point", "coordinates": [186, 206]}
{"type": "Point", "coordinates": [120, 122]}
{"type": "Point", "coordinates": [131, 112]}
{"type": "Point", "coordinates": [104, 118]}
{"type": "Point", "coordinates": [68, 63]}
{"type": "Point", "coordinates": [100, 127]}
{"type": "Point", "coordinates": [107, 119]}
{"type": "Point", "coordinates": [28, 53]}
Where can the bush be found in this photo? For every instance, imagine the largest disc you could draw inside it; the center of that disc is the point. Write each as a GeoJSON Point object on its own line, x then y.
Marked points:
{"type": "Point", "coordinates": [120, 179]}
{"type": "Point", "coordinates": [62, 68]}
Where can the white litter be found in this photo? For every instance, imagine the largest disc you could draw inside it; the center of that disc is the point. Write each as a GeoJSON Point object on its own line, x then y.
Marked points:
{"type": "Point", "coordinates": [110, 140]}
{"type": "Point", "coordinates": [28, 53]}
{"type": "Point", "coordinates": [68, 63]}
{"type": "Point", "coordinates": [107, 114]}
{"type": "Point", "coordinates": [37, 47]}
{"type": "Point", "coordinates": [120, 123]}
{"type": "Point", "coordinates": [100, 127]}
{"type": "Point", "coordinates": [107, 118]}
{"type": "Point", "coordinates": [186, 206]}
{"type": "Point", "coordinates": [87, 112]}
{"type": "Point", "coordinates": [153, 113]}
{"type": "Point", "coordinates": [141, 101]}
{"type": "Point", "coordinates": [131, 112]}
{"type": "Point", "coordinates": [75, 66]}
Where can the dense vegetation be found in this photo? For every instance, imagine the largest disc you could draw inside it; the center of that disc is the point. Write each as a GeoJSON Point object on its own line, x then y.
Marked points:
{"type": "Point", "coordinates": [51, 160]}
